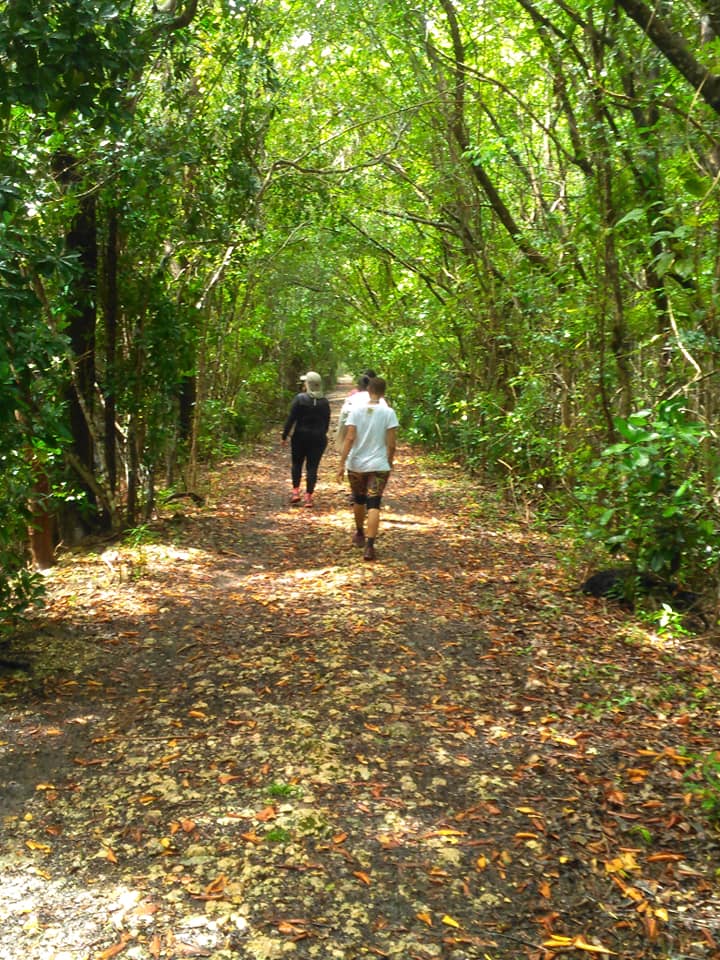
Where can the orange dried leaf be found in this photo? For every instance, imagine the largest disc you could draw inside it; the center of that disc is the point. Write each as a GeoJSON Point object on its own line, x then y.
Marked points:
{"type": "Point", "coordinates": [36, 845]}
{"type": "Point", "coordinates": [361, 875]}
{"type": "Point", "coordinates": [115, 949]}
{"type": "Point", "coordinates": [425, 917]}
{"type": "Point", "coordinates": [217, 885]}
{"type": "Point", "coordinates": [269, 813]}
{"type": "Point", "coordinates": [564, 741]}
{"type": "Point", "coordinates": [251, 837]}
{"type": "Point", "coordinates": [637, 774]}
{"type": "Point", "coordinates": [651, 927]}
{"type": "Point", "coordinates": [557, 942]}
{"type": "Point", "coordinates": [146, 909]}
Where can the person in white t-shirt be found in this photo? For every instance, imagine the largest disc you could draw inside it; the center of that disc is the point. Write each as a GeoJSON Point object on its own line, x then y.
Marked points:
{"type": "Point", "coordinates": [358, 395]}
{"type": "Point", "coordinates": [368, 453]}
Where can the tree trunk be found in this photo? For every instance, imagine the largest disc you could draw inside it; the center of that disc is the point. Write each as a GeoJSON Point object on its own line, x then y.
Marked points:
{"type": "Point", "coordinates": [608, 219]}
{"type": "Point", "coordinates": [41, 529]}
{"type": "Point", "coordinates": [111, 332]}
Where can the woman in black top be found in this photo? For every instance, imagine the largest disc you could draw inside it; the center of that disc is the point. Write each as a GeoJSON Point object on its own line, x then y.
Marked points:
{"type": "Point", "coordinates": [310, 417]}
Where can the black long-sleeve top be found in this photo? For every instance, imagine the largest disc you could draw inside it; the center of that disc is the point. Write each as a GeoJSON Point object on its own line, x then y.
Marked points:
{"type": "Point", "coordinates": [310, 415]}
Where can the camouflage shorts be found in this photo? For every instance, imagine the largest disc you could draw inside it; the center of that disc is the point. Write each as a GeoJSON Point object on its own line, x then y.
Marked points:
{"type": "Point", "coordinates": [365, 485]}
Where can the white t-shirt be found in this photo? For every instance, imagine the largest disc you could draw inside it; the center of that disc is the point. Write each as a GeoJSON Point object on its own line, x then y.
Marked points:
{"type": "Point", "coordinates": [369, 450]}
{"type": "Point", "coordinates": [357, 399]}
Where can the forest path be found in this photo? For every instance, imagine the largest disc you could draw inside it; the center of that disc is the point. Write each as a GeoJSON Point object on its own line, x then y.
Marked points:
{"type": "Point", "coordinates": [242, 741]}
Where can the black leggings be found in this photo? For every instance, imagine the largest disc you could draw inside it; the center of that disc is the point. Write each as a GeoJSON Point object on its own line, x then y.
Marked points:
{"type": "Point", "coordinates": [306, 448]}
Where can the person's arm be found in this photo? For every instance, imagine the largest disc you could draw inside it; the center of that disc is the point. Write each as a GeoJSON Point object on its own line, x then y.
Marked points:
{"type": "Point", "coordinates": [291, 418]}
{"type": "Point", "coordinates": [347, 447]}
{"type": "Point", "coordinates": [391, 444]}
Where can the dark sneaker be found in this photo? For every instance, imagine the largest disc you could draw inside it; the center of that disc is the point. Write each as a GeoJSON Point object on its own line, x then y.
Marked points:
{"type": "Point", "coordinates": [359, 539]}
{"type": "Point", "coordinates": [369, 553]}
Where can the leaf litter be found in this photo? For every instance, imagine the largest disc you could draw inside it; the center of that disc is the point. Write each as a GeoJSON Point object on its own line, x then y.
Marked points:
{"type": "Point", "coordinates": [240, 741]}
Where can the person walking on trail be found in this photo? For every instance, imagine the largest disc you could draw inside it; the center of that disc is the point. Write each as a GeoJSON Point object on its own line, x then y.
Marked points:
{"type": "Point", "coordinates": [309, 421]}
{"type": "Point", "coordinates": [368, 454]}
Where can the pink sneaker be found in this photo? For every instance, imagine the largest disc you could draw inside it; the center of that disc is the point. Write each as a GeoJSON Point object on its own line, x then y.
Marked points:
{"type": "Point", "coordinates": [308, 500]}
{"type": "Point", "coordinates": [295, 495]}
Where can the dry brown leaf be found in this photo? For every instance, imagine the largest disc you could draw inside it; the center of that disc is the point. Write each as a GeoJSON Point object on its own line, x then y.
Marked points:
{"type": "Point", "coordinates": [251, 837]}
{"type": "Point", "coordinates": [224, 778]}
{"type": "Point", "coordinates": [115, 949]}
{"type": "Point", "coordinates": [217, 886]}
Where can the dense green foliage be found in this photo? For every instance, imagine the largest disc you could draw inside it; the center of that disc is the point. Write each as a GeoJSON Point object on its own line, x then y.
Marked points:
{"type": "Point", "coordinates": [509, 209]}
{"type": "Point", "coordinates": [655, 509]}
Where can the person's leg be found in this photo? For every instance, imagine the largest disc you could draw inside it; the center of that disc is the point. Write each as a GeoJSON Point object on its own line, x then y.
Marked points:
{"type": "Point", "coordinates": [373, 522]}
{"type": "Point", "coordinates": [297, 454]}
{"type": "Point", "coordinates": [375, 485]}
{"type": "Point", "coordinates": [314, 455]}
{"type": "Point", "coordinates": [358, 486]}
{"type": "Point", "coordinates": [359, 513]}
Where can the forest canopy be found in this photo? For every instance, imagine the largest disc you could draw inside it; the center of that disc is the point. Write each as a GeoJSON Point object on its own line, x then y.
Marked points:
{"type": "Point", "coordinates": [508, 208]}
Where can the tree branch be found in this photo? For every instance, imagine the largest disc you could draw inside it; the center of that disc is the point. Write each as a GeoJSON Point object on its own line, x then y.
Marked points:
{"type": "Point", "coordinates": [183, 19]}
{"type": "Point", "coordinates": [676, 50]}
{"type": "Point", "coordinates": [397, 258]}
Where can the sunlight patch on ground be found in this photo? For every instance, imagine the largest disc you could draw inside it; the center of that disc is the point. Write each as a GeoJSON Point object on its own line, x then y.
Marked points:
{"type": "Point", "coordinates": [344, 521]}
{"type": "Point", "coordinates": [660, 642]}
{"type": "Point", "coordinates": [307, 583]}
{"type": "Point", "coordinates": [29, 895]}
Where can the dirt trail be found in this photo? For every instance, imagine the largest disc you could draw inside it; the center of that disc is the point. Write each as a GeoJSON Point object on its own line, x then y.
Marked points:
{"type": "Point", "coordinates": [250, 744]}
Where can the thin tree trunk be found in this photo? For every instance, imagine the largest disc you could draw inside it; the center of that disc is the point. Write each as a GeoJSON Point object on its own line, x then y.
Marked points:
{"type": "Point", "coordinates": [82, 240]}
{"type": "Point", "coordinates": [111, 333]}
{"type": "Point", "coordinates": [42, 521]}
{"type": "Point", "coordinates": [608, 219]}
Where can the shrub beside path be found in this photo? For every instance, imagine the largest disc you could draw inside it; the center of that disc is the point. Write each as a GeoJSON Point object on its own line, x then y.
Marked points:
{"type": "Point", "coordinates": [242, 741]}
